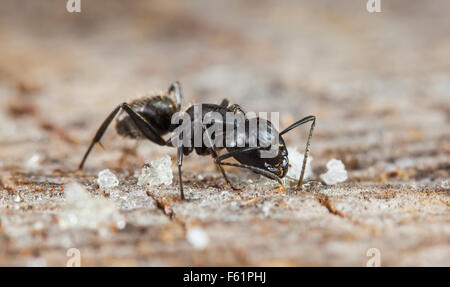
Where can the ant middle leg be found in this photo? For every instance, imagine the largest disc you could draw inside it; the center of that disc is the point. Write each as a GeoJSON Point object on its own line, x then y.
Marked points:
{"type": "Point", "coordinates": [214, 155]}
{"type": "Point", "coordinates": [178, 143]}
{"type": "Point", "coordinates": [180, 175]}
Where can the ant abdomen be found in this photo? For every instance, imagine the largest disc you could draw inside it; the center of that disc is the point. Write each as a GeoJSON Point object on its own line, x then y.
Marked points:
{"type": "Point", "coordinates": [157, 110]}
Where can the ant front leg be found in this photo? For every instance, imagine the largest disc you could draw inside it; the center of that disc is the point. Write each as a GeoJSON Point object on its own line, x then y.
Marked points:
{"type": "Point", "coordinates": [252, 168]}
{"type": "Point", "coordinates": [305, 158]}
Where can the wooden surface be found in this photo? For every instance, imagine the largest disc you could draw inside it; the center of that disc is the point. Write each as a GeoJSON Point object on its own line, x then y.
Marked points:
{"type": "Point", "coordinates": [378, 84]}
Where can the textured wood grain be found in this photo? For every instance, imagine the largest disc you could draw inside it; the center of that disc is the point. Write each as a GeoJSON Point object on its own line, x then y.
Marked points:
{"type": "Point", "coordinates": [378, 84]}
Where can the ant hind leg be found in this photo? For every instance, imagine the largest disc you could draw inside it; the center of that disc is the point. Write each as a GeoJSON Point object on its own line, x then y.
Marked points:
{"type": "Point", "coordinates": [224, 103]}
{"type": "Point", "coordinates": [145, 127]}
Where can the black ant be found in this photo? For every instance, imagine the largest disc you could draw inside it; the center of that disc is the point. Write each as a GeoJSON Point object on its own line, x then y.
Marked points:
{"type": "Point", "coordinates": [150, 117]}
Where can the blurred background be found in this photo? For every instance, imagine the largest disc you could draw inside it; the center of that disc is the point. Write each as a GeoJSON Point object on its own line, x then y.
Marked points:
{"type": "Point", "coordinates": [371, 78]}
{"type": "Point", "coordinates": [378, 82]}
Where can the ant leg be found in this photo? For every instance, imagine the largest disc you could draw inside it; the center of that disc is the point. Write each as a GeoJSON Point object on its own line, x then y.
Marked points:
{"type": "Point", "coordinates": [233, 107]}
{"type": "Point", "coordinates": [224, 103]}
{"type": "Point", "coordinates": [214, 155]}
{"type": "Point", "coordinates": [179, 146]}
{"type": "Point", "coordinates": [305, 158]}
{"type": "Point", "coordinates": [252, 168]}
{"type": "Point", "coordinates": [236, 107]}
{"type": "Point", "coordinates": [180, 163]}
{"type": "Point", "coordinates": [175, 87]}
{"type": "Point", "coordinates": [99, 134]}
{"type": "Point", "coordinates": [145, 127]}
{"type": "Point", "coordinates": [258, 171]}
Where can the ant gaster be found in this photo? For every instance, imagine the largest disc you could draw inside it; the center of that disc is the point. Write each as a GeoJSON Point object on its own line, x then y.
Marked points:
{"type": "Point", "coordinates": [150, 118]}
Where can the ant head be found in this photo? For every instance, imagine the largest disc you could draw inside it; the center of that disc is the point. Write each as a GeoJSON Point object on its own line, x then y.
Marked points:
{"type": "Point", "coordinates": [276, 160]}
{"type": "Point", "coordinates": [271, 153]}
{"type": "Point", "coordinates": [279, 164]}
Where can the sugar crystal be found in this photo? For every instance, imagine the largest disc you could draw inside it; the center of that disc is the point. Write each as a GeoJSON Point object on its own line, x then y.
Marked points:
{"type": "Point", "coordinates": [156, 172]}
{"type": "Point", "coordinates": [197, 237]}
{"type": "Point", "coordinates": [84, 211]}
{"type": "Point", "coordinates": [336, 172]}
{"type": "Point", "coordinates": [296, 162]}
{"type": "Point", "coordinates": [107, 179]}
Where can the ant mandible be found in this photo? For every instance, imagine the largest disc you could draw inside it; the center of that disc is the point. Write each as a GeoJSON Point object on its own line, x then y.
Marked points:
{"type": "Point", "coordinates": [150, 118]}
